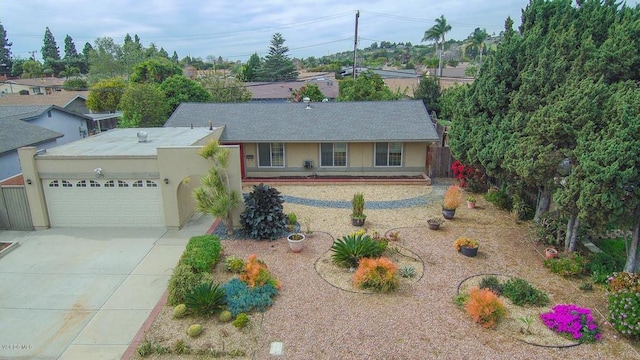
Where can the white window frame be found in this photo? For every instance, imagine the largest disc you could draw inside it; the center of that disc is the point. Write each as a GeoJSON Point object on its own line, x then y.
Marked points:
{"type": "Point", "coordinates": [333, 155]}
{"type": "Point", "coordinates": [388, 144]}
{"type": "Point", "coordinates": [271, 153]}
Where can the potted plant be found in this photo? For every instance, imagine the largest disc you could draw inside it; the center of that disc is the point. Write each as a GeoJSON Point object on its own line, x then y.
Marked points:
{"type": "Point", "coordinates": [550, 253]}
{"type": "Point", "coordinates": [452, 199]}
{"type": "Point", "coordinates": [296, 241]}
{"type": "Point", "coordinates": [292, 222]}
{"type": "Point", "coordinates": [357, 215]}
{"type": "Point", "coordinates": [471, 202]}
{"type": "Point", "coordinates": [467, 246]}
{"type": "Point", "coordinates": [434, 223]}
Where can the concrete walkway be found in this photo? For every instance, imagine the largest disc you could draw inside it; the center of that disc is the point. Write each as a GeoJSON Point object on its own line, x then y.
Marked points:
{"type": "Point", "coordinates": [84, 293]}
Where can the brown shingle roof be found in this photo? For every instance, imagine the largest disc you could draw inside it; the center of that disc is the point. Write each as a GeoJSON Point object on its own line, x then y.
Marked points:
{"type": "Point", "coordinates": [59, 98]}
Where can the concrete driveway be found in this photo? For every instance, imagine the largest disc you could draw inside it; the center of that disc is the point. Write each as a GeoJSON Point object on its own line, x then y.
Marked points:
{"type": "Point", "coordinates": [84, 293]}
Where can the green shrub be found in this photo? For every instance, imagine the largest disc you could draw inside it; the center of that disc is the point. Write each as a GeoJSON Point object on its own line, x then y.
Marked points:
{"type": "Point", "coordinates": [194, 330]}
{"type": "Point", "coordinates": [202, 253]}
{"type": "Point", "coordinates": [182, 281]}
{"type": "Point", "coordinates": [551, 228]}
{"type": "Point", "coordinates": [263, 217]}
{"type": "Point", "coordinates": [240, 297]}
{"type": "Point", "coordinates": [569, 265]}
{"type": "Point", "coordinates": [179, 311]}
{"type": "Point", "coordinates": [624, 303]}
{"type": "Point", "coordinates": [144, 349]}
{"type": "Point", "coordinates": [353, 247]}
{"type": "Point", "coordinates": [499, 198]}
{"type": "Point", "coordinates": [492, 283]}
{"type": "Point", "coordinates": [181, 348]}
{"type": "Point", "coordinates": [234, 264]}
{"type": "Point", "coordinates": [522, 293]}
{"type": "Point", "coordinates": [226, 316]}
{"type": "Point", "coordinates": [205, 299]}
{"type": "Point", "coordinates": [241, 321]}
{"type": "Point", "coordinates": [601, 265]}
{"type": "Point", "coordinates": [461, 299]}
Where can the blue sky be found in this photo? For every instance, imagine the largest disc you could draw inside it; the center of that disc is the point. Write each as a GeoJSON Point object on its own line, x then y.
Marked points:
{"type": "Point", "coordinates": [236, 29]}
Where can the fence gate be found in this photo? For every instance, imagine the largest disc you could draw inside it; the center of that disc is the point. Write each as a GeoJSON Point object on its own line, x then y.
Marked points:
{"type": "Point", "coordinates": [14, 208]}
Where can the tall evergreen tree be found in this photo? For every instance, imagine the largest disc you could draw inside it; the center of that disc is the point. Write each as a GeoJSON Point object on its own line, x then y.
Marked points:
{"type": "Point", "coordinates": [252, 68]}
{"type": "Point", "coordinates": [277, 65]}
{"type": "Point", "coordinates": [6, 63]}
{"type": "Point", "coordinates": [49, 48]}
{"type": "Point", "coordinates": [70, 51]}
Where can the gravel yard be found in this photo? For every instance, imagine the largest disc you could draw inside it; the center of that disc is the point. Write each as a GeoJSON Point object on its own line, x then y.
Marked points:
{"type": "Point", "coordinates": [314, 318]}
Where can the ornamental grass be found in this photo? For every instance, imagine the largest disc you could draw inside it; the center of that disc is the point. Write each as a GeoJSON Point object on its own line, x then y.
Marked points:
{"type": "Point", "coordinates": [377, 274]}
{"type": "Point", "coordinates": [485, 307]}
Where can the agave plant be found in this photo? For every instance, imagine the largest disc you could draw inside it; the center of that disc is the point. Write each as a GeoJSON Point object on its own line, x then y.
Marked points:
{"type": "Point", "coordinates": [353, 247]}
{"type": "Point", "coordinates": [205, 299]}
{"type": "Point", "coordinates": [407, 271]}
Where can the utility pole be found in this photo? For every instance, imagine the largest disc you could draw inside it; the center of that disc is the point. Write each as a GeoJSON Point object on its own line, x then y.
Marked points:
{"type": "Point", "coordinates": [33, 54]}
{"type": "Point", "coordinates": [355, 45]}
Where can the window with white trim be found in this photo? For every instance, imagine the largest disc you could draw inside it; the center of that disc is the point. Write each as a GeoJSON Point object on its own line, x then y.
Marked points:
{"type": "Point", "coordinates": [388, 154]}
{"type": "Point", "coordinates": [54, 183]}
{"type": "Point", "coordinates": [151, 183]}
{"type": "Point", "coordinates": [333, 154]}
{"type": "Point", "coordinates": [138, 183]}
{"type": "Point", "coordinates": [271, 155]}
{"type": "Point", "coordinates": [122, 183]}
{"type": "Point", "coordinates": [95, 184]}
{"type": "Point", "coordinates": [110, 184]}
{"type": "Point", "coordinates": [82, 183]}
{"type": "Point", "coordinates": [66, 183]}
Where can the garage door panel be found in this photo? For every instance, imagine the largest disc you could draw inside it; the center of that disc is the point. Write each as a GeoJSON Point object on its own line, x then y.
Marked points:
{"type": "Point", "coordinates": [107, 203]}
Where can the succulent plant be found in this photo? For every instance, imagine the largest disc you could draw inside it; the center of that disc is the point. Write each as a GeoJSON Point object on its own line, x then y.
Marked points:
{"type": "Point", "coordinates": [194, 330]}
{"type": "Point", "coordinates": [179, 311]}
{"type": "Point", "coordinates": [407, 271]}
{"type": "Point", "coordinates": [226, 316]}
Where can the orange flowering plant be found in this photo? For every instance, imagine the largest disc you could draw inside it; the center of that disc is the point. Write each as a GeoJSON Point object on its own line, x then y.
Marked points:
{"type": "Point", "coordinates": [377, 274]}
{"type": "Point", "coordinates": [485, 307]}
{"type": "Point", "coordinates": [256, 273]}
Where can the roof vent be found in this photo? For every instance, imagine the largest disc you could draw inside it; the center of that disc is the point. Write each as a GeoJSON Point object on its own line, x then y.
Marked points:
{"type": "Point", "coordinates": [142, 136]}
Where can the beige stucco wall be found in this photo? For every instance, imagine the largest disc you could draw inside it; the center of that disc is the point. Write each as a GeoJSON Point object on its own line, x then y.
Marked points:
{"type": "Point", "coordinates": [179, 165]}
{"type": "Point", "coordinates": [360, 161]}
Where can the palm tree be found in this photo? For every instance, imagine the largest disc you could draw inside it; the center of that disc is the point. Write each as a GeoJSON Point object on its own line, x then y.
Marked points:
{"type": "Point", "coordinates": [477, 39]}
{"type": "Point", "coordinates": [437, 32]}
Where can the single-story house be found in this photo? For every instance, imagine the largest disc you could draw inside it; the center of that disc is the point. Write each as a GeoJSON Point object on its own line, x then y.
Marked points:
{"type": "Point", "coordinates": [281, 91]}
{"type": "Point", "coordinates": [121, 178]}
{"type": "Point", "coordinates": [45, 85]}
{"type": "Point", "coordinates": [64, 126]}
{"type": "Point", "coordinates": [363, 139]}
{"type": "Point", "coordinates": [75, 101]}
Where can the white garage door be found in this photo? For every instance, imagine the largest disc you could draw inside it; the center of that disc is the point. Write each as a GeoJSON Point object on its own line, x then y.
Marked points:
{"type": "Point", "coordinates": [104, 203]}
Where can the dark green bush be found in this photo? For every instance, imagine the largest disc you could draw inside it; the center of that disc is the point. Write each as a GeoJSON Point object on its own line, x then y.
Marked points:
{"type": "Point", "coordinates": [624, 303]}
{"type": "Point", "coordinates": [522, 293]}
{"type": "Point", "coordinates": [202, 253]}
{"type": "Point", "coordinates": [353, 247]}
{"type": "Point", "coordinates": [499, 198]}
{"type": "Point", "coordinates": [263, 217]}
{"type": "Point", "coordinates": [492, 283]}
{"type": "Point", "coordinates": [567, 265]}
{"type": "Point", "coordinates": [241, 298]}
{"type": "Point", "coordinates": [601, 265]}
{"type": "Point", "coordinates": [182, 281]}
{"type": "Point", "coordinates": [205, 299]}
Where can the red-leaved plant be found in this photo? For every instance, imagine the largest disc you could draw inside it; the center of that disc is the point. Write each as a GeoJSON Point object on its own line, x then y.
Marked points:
{"type": "Point", "coordinates": [485, 307]}
{"type": "Point", "coordinates": [377, 274]}
{"type": "Point", "coordinates": [256, 273]}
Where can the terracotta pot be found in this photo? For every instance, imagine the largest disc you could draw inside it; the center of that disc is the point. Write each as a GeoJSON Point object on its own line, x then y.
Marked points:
{"type": "Point", "coordinates": [296, 246]}
{"type": "Point", "coordinates": [471, 204]}
{"type": "Point", "coordinates": [550, 253]}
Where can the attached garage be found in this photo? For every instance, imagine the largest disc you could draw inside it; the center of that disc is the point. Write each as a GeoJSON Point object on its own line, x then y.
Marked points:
{"type": "Point", "coordinates": [104, 203]}
{"type": "Point", "coordinates": [121, 178]}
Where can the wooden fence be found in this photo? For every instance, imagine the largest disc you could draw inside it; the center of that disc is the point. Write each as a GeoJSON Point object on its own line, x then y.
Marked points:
{"type": "Point", "coordinates": [14, 208]}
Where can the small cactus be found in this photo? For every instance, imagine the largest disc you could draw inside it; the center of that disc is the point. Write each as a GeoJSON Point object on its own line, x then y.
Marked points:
{"type": "Point", "coordinates": [179, 311]}
{"type": "Point", "coordinates": [241, 321]}
{"type": "Point", "coordinates": [407, 271]}
{"type": "Point", "coordinates": [226, 316]}
{"type": "Point", "coordinates": [194, 330]}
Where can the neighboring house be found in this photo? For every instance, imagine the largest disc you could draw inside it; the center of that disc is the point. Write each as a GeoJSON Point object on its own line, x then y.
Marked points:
{"type": "Point", "coordinates": [372, 138]}
{"type": "Point", "coordinates": [14, 134]}
{"type": "Point", "coordinates": [68, 125]}
{"type": "Point", "coordinates": [121, 178]}
{"type": "Point", "coordinates": [281, 91]}
{"type": "Point", "coordinates": [34, 86]}
{"type": "Point", "coordinates": [75, 101]}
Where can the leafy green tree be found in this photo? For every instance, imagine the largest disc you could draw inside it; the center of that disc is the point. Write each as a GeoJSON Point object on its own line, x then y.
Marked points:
{"type": "Point", "coordinates": [368, 86]}
{"type": "Point", "coordinates": [132, 52]}
{"type": "Point", "coordinates": [32, 69]}
{"type": "Point", "coordinates": [225, 90]}
{"type": "Point", "coordinates": [105, 95]}
{"type": "Point", "coordinates": [6, 62]}
{"type": "Point", "coordinates": [277, 65]}
{"type": "Point", "coordinates": [175, 58]}
{"type": "Point", "coordinates": [76, 84]}
{"type": "Point", "coordinates": [16, 67]}
{"type": "Point", "coordinates": [311, 91]}
{"type": "Point", "coordinates": [179, 89]}
{"type": "Point", "coordinates": [143, 105]}
{"type": "Point", "coordinates": [429, 92]}
{"type": "Point", "coordinates": [154, 70]}
{"type": "Point", "coordinates": [215, 196]}
{"type": "Point", "coordinates": [105, 60]}
{"type": "Point", "coordinates": [69, 71]}
{"type": "Point", "coordinates": [252, 68]}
